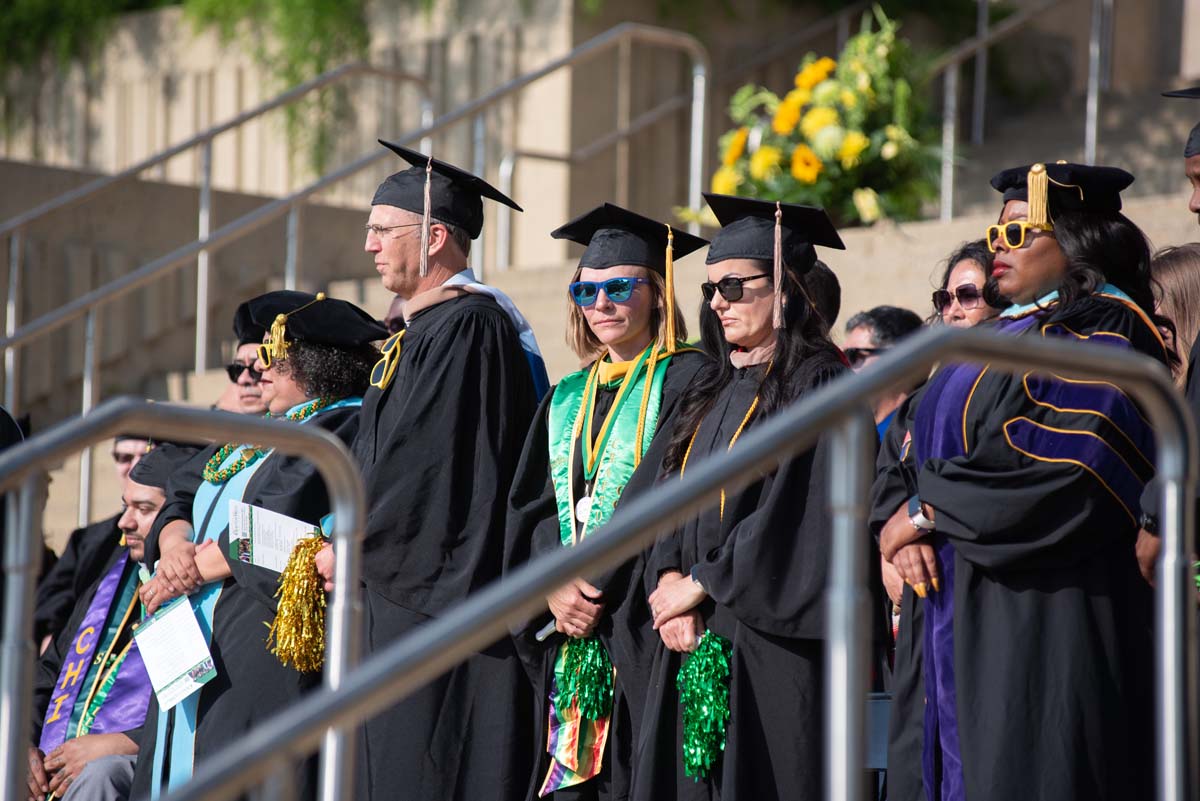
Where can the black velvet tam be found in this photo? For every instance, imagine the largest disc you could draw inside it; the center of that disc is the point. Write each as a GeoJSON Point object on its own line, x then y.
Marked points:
{"type": "Point", "coordinates": [244, 327]}
{"type": "Point", "coordinates": [156, 467]}
{"type": "Point", "coordinates": [326, 321]}
{"type": "Point", "coordinates": [455, 196]}
{"type": "Point", "coordinates": [615, 236]}
{"type": "Point", "coordinates": [748, 231]}
{"type": "Point", "coordinates": [1072, 187]}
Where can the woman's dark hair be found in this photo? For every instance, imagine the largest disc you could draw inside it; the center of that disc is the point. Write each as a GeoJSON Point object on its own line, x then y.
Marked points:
{"type": "Point", "coordinates": [977, 251]}
{"type": "Point", "coordinates": [803, 356]}
{"type": "Point", "coordinates": [1100, 248]}
{"type": "Point", "coordinates": [332, 372]}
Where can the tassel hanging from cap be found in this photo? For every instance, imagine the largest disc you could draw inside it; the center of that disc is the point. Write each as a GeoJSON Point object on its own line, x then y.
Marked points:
{"type": "Point", "coordinates": [297, 635]}
{"type": "Point", "coordinates": [1038, 183]}
{"type": "Point", "coordinates": [425, 219]}
{"type": "Point", "coordinates": [279, 330]}
{"type": "Point", "coordinates": [669, 304]}
{"type": "Point", "coordinates": [778, 267]}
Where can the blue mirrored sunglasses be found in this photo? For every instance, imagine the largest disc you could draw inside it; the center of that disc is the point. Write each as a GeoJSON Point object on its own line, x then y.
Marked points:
{"type": "Point", "coordinates": [619, 290]}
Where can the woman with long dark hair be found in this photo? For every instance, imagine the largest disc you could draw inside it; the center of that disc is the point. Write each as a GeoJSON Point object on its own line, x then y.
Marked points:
{"type": "Point", "coordinates": [1038, 626]}
{"type": "Point", "coordinates": [598, 439]}
{"type": "Point", "coordinates": [736, 692]}
{"type": "Point", "coordinates": [314, 363]}
{"type": "Point", "coordinates": [959, 301]}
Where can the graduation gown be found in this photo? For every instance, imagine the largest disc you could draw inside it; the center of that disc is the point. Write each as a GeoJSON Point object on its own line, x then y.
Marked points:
{"type": "Point", "coordinates": [764, 568]}
{"type": "Point", "coordinates": [1039, 647]}
{"type": "Point", "coordinates": [83, 560]}
{"type": "Point", "coordinates": [625, 629]}
{"type": "Point", "coordinates": [895, 482]}
{"type": "Point", "coordinates": [438, 450]}
{"type": "Point", "coordinates": [251, 685]}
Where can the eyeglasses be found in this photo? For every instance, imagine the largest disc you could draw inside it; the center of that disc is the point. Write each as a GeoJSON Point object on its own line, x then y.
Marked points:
{"type": "Point", "coordinates": [124, 458]}
{"type": "Point", "coordinates": [856, 356]}
{"type": "Point", "coordinates": [235, 372]}
{"type": "Point", "coordinates": [380, 230]}
{"type": "Point", "coordinates": [730, 287]}
{"type": "Point", "coordinates": [619, 290]}
{"type": "Point", "coordinates": [1013, 233]}
{"type": "Point", "coordinates": [266, 355]}
{"type": "Point", "coordinates": [968, 296]}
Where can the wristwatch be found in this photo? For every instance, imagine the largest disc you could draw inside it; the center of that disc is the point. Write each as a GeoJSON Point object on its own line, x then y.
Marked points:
{"type": "Point", "coordinates": [916, 515]}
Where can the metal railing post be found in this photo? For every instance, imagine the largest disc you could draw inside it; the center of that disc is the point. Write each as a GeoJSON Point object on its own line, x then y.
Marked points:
{"type": "Point", "coordinates": [12, 310]}
{"type": "Point", "coordinates": [291, 266]}
{"type": "Point", "coordinates": [949, 135]}
{"type": "Point", "coordinates": [847, 645]}
{"type": "Point", "coordinates": [1093, 85]}
{"type": "Point", "coordinates": [624, 106]}
{"type": "Point", "coordinates": [427, 116]}
{"type": "Point", "coordinates": [699, 120]}
{"type": "Point", "coordinates": [91, 364]}
{"type": "Point", "coordinates": [979, 96]}
{"type": "Point", "coordinates": [505, 221]}
{"type": "Point", "coordinates": [22, 560]}
{"type": "Point", "coordinates": [205, 220]}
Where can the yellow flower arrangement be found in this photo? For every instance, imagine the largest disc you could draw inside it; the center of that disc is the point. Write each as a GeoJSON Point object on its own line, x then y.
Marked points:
{"type": "Point", "coordinates": [786, 117]}
{"type": "Point", "coordinates": [736, 146]}
{"type": "Point", "coordinates": [852, 148]}
{"type": "Point", "coordinates": [866, 203]}
{"type": "Point", "coordinates": [725, 181]}
{"type": "Point", "coordinates": [817, 118]}
{"type": "Point", "coordinates": [815, 72]}
{"type": "Point", "coordinates": [764, 162]}
{"type": "Point", "coordinates": [805, 165]}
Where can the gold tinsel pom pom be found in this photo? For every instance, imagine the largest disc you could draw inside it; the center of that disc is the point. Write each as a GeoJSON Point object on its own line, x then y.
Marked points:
{"type": "Point", "coordinates": [297, 636]}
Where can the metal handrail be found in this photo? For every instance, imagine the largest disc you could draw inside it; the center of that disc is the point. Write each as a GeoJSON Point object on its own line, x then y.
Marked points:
{"type": "Point", "coordinates": [23, 465]}
{"type": "Point", "coordinates": [88, 305]}
{"type": "Point", "coordinates": [398, 669]}
{"type": "Point", "coordinates": [839, 21]}
{"type": "Point", "coordinates": [977, 47]}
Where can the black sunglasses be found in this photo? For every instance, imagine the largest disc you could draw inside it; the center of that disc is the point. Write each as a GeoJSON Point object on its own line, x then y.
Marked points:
{"type": "Point", "coordinates": [235, 372]}
{"type": "Point", "coordinates": [856, 356]}
{"type": "Point", "coordinates": [968, 296]}
{"type": "Point", "coordinates": [730, 287]}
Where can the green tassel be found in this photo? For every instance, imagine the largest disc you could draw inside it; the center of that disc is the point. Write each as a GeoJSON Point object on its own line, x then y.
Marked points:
{"type": "Point", "coordinates": [703, 684]}
{"type": "Point", "coordinates": [1196, 566]}
{"type": "Point", "coordinates": [587, 679]}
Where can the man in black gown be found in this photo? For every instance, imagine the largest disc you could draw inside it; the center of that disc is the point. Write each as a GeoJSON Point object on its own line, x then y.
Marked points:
{"type": "Point", "coordinates": [439, 441]}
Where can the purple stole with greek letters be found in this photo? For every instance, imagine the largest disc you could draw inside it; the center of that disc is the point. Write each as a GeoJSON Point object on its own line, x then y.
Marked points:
{"type": "Point", "coordinates": [124, 707]}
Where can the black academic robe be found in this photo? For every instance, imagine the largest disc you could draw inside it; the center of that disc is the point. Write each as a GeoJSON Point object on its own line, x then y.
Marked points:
{"type": "Point", "coordinates": [83, 561]}
{"type": "Point", "coordinates": [626, 627]}
{"type": "Point", "coordinates": [1039, 649]}
{"type": "Point", "coordinates": [895, 482]}
{"type": "Point", "coordinates": [251, 685]}
{"type": "Point", "coordinates": [50, 663]}
{"type": "Point", "coordinates": [438, 450]}
{"type": "Point", "coordinates": [764, 567]}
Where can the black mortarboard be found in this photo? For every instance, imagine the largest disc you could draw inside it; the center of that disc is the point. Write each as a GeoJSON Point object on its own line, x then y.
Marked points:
{"type": "Point", "coordinates": [1192, 92]}
{"type": "Point", "coordinates": [616, 236]}
{"type": "Point", "coordinates": [156, 467]}
{"type": "Point", "coordinates": [291, 315]}
{"type": "Point", "coordinates": [1052, 189]}
{"type": "Point", "coordinates": [1192, 147]}
{"type": "Point", "coordinates": [455, 196]}
{"type": "Point", "coordinates": [781, 233]}
{"type": "Point", "coordinates": [244, 327]}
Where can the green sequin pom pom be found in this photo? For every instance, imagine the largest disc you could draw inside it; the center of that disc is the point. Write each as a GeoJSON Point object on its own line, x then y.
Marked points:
{"type": "Point", "coordinates": [704, 694]}
{"type": "Point", "coordinates": [587, 678]}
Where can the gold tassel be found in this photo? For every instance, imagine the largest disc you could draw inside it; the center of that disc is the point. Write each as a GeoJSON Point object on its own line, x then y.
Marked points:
{"type": "Point", "coordinates": [1038, 183]}
{"type": "Point", "coordinates": [425, 219]}
{"type": "Point", "coordinates": [297, 635]}
{"type": "Point", "coordinates": [122, 543]}
{"type": "Point", "coordinates": [670, 292]}
{"type": "Point", "coordinates": [279, 330]}
{"type": "Point", "coordinates": [778, 313]}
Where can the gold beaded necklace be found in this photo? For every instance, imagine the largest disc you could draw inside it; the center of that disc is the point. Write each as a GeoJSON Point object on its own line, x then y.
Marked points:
{"type": "Point", "coordinates": [212, 472]}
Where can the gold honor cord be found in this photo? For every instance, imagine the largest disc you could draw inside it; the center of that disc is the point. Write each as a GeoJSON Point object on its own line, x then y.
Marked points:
{"type": "Point", "coordinates": [745, 420]}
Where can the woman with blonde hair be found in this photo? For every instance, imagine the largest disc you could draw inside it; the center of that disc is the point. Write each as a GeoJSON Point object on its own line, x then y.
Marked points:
{"type": "Point", "coordinates": [1176, 270]}
{"type": "Point", "coordinates": [595, 442]}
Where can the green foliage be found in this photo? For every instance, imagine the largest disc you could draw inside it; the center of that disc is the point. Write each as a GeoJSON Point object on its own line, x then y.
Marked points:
{"type": "Point", "coordinates": [31, 30]}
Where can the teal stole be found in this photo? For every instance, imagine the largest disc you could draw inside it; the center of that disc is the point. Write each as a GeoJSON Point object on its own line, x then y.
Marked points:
{"type": "Point", "coordinates": [580, 702]}
{"type": "Point", "coordinates": [210, 516]}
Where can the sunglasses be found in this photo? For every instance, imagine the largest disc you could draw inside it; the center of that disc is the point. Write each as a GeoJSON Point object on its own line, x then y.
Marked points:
{"type": "Point", "coordinates": [385, 369]}
{"type": "Point", "coordinates": [619, 290]}
{"type": "Point", "coordinates": [1013, 233]}
{"type": "Point", "coordinates": [266, 353]}
{"type": "Point", "coordinates": [730, 287]}
{"type": "Point", "coordinates": [124, 458]}
{"type": "Point", "coordinates": [968, 295]}
{"type": "Point", "coordinates": [235, 372]}
{"type": "Point", "coordinates": [856, 356]}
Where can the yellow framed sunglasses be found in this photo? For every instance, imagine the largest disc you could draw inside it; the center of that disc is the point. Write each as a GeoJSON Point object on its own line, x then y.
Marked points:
{"type": "Point", "coordinates": [385, 369]}
{"type": "Point", "coordinates": [266, 354]}
{"type": "Point", "coordinates": [1013, 233]}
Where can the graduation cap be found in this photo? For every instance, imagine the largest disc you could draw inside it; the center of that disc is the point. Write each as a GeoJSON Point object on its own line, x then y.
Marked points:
{"type": "Point", "coordinates": [288, 314]}
{"type": "Point", "coordinates": [616, 236]}
{"type": "Point", "coordinates": [1192, 148]}
{"type": "Point", "coordinates": [437, 190]}
{"type": "Point", "coordinates": [1053, 189]}
{"type": "Point", "coordinates": [156, 467]}
{"type": "Point", "coordinates": [765, 230]}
